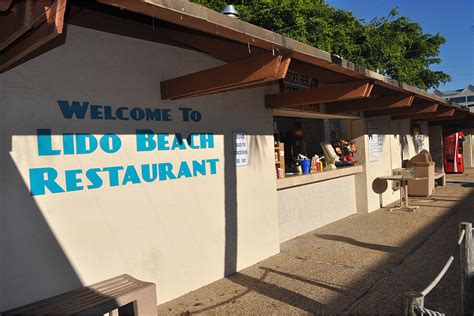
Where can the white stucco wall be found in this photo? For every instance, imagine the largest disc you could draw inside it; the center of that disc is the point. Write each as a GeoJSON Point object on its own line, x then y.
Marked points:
{"type": "Point", "coordinates": [305, 208]}
{"type": "Point", "coordinates": [180, 234]}
{"type": "Point", "coordinates": [468, 148]}
{"type": "Point", "coordinates": [394, 132]}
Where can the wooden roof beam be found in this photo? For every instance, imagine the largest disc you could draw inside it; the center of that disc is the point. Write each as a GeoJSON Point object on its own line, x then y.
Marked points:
{"type": "Point", "coordinates": [48, 26]}
{"type": "Point", "coordinates": [413, 109]}
{"type": "Point", "coordinates": [468, 122]}
{"type": "Point", "coordinates": [458, 115]}
{"type": "Point", "coordinates": [442, 112]}
{"type": "Point", "coordinates": [251, 71]}
{"type": "Point", "coordinates": [323, 94]}
{"type": "Point", "coordinates": [309, 113]}
{"type": "Point", "coordinates": [383, 102]}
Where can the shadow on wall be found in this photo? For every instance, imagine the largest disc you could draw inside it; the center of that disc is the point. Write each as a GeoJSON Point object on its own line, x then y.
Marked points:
{"type": "Point", "coordinates": [231, 237]}
{"type": "Point", "coordinates": [230, 182]}
{"type": "Point", "coordinates": [33, 264]}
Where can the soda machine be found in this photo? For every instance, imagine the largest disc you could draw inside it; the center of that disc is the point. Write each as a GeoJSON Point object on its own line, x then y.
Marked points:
{"type": "Point", "coordinates": [453, 153]}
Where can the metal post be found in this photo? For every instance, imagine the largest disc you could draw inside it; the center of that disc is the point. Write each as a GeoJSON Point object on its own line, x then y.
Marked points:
{"type": "Point", "coordinates": [405, 192]}
{"type": "Point", "coordinates": [413, 300]}
{"type": "Point", "coordinates": [467, 270]}
{"type": "Point", "coordinates": [402, 194]}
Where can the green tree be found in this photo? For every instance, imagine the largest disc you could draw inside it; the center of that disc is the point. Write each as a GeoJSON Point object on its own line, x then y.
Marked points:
{"type": "Point", "coordinates": [393, 45]}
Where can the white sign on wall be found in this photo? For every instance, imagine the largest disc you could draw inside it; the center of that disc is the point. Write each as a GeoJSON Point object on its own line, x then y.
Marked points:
{"type": "Point", "coordinates": [241, 149]}
{"type": "Point", "coordinates": [419, 140]}
{"type": "Point", "coordinates": [375, 141]}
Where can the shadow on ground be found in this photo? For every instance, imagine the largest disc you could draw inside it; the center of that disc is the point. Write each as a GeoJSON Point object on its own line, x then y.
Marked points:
{"type": "Point", "coordinates": [361, 264]}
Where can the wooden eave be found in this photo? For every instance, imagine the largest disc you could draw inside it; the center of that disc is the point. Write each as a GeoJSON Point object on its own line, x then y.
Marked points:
{"type": "Point", "coordinates": [196, 17]}
{"type": "Point", "coordinates": [188, 25]}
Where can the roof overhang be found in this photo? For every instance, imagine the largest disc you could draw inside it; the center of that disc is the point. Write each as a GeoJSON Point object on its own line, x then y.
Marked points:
{"type": "Point", "coordinates": [240, 44]}
{"type": "Point", "coordinates": [306, 58]}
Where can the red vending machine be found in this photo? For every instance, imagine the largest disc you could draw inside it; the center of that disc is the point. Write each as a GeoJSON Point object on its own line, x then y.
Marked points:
{"type": "Point", "coordinates": [453, 153]}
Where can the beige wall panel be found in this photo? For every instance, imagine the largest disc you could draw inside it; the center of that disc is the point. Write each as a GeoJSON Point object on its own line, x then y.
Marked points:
{"type": "Point", "coordinates": [304, 208]}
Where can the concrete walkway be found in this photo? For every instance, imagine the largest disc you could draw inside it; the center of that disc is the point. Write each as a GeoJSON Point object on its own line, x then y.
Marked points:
{"type": "Point", "coordinates": [362, 264]}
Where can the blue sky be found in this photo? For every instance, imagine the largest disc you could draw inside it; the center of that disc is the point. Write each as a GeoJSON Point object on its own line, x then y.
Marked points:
{"type": "Point", "coordinates": [453, 19]}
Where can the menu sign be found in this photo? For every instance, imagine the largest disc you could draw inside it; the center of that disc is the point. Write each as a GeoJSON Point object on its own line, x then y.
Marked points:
{"type": "Point", "coordinates": [241, 149]}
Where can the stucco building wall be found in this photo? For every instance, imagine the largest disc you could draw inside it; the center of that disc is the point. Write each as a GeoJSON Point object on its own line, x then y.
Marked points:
{"type": "Point", "coordinates": [182, 233]}
{"type": "Point", "coordinates": [308, 207]}
{"type": "Point", "coordinates": [398, 145]}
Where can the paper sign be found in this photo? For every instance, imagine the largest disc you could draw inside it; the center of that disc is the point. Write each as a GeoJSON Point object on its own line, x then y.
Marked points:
{"type": "Point", "coordinates": [241, 149]}
{"type": "Point", "coordinates": [375, 141]}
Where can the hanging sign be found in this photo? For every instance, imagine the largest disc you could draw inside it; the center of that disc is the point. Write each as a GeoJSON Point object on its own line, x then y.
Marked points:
{"type": "Point", "coordinates": [296, 81]}
{"type": "Point", "coordinates": [241, 149]}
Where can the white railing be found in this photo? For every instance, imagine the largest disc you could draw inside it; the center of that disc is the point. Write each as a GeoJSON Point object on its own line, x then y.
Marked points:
{"type": "Point", "coordinates": [415, 301]}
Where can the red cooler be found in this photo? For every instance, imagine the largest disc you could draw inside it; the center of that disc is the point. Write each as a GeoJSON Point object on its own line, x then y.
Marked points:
{"type": "Point", "coordinates": [453, 153]}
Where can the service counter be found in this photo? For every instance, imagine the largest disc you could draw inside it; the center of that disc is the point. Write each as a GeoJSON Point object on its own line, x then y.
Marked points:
{"type": "Point", "coordinates": [307, 202]}
{"type": "Point", "coordinates": [297, 180]}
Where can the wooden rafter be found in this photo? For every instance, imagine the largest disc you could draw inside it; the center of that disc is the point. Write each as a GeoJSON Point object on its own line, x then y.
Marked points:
{"type": "Point", "coordinates": [369, 104]}
{"type": "Point", "coordinates": [16, 22]}
{"type": "Point", "coordinates": [48, 25]}
{"type": "Point", "coordinates": [243, 73]}
{"type": "Point", "coordinates": [413, 109]}
{"type": "Point", "coordinates": [442, 112]}
{"type": "Point", "coordinates": [281, 73]}
{"type": "Point", "coordinates": [467, 122]}
{"type": "Point", "coordinates": [310, 113]}
{"type": "Point", "coordinates": [458, 115]}
{"type": "Point", "coordinates": [323, 94]}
